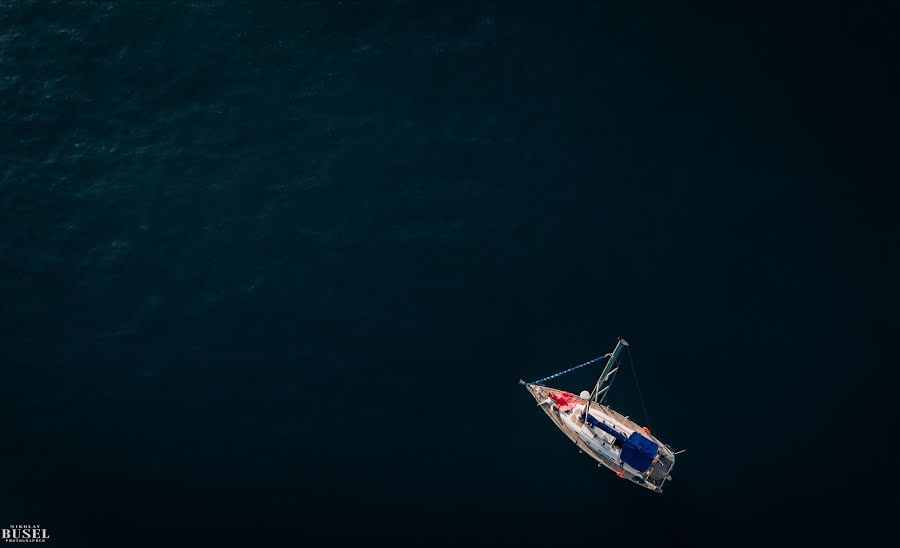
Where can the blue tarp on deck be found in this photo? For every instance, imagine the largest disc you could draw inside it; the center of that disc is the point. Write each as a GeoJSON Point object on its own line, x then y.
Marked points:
{"type": "Point", "coordinates": [639, 452]}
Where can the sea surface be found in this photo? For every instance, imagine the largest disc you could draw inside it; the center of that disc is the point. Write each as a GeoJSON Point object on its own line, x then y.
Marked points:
{"type": "Point", "coordinates": [270, 271]}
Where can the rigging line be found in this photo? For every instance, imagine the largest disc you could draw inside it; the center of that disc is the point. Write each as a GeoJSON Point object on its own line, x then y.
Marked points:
{"type": "Point", "coordinates": [589, 362]}
{"type": "Point", "coordinates": [637, 384]}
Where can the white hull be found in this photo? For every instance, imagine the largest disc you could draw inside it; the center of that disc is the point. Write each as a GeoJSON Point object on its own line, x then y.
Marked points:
{"type": "Point", "coordinates": [596, 440]}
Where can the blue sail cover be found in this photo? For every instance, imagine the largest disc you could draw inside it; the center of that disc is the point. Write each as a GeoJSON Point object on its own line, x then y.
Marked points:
{"type": "Point", "coordinates": [593, 421]}
{"type": "Point", "coordinates": [639, 452]}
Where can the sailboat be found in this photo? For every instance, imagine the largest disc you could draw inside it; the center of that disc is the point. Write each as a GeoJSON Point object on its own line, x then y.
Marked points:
{"type": "Point", "coordinates": [612, 439]}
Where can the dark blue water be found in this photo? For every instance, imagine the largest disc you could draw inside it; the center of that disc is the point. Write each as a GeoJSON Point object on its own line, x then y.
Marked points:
{"type": "Point", "coordinates": [270, 272]}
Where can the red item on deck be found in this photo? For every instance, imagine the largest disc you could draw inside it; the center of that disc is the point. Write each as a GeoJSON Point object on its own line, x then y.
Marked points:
{"type": "Point", "coordinates": [564, 400]}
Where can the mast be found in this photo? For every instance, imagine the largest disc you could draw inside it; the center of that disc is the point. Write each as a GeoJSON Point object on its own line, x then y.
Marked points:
{"type": "Point", "coordinates": [605, 381]}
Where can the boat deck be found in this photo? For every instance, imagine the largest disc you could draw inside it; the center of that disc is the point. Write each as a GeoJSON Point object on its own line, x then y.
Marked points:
{"type": "Point", "coordinates": [657, 474]}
